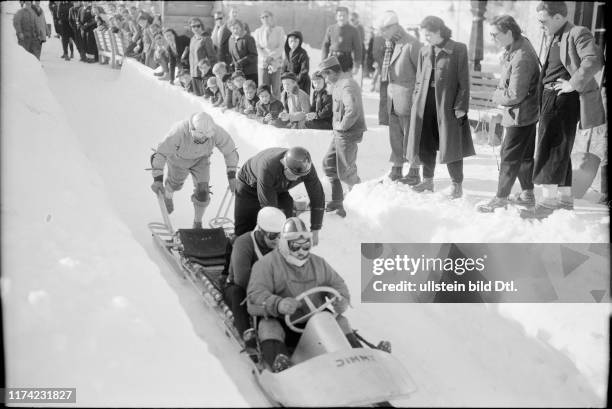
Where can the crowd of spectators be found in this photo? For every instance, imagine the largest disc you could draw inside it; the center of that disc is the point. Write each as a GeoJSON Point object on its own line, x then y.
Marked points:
{"type": "Point", "coordinates": [264, 74]}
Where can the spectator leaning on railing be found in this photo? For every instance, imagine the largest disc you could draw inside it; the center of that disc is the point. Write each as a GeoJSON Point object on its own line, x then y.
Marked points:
{"type": "Point", "coordinates": [176, 48]}
{"type": "Point", "coordinates": [321, 113]}
{"type": "Point", "coordinates": [296, 103]}
{"type": "Point", "coordinates": [268, 108]}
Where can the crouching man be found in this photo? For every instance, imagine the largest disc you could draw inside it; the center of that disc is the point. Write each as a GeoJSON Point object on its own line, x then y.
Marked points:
{"type": "Point", "coordinates": [186, 150]}
{"type": "Point", "coordinates": [283, 274]}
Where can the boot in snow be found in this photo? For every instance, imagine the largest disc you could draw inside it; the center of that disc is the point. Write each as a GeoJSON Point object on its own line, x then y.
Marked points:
{"type": "Point", "coordinates": [525, 198]}
{"type": "Point", "coordinates": [426, 184]}
{"type": "Point", "coordinates": [396, 173]}
{"type": "Point", "coordinates": [412, 178]}
{"type": "Point", "coordinates": [456, 191]}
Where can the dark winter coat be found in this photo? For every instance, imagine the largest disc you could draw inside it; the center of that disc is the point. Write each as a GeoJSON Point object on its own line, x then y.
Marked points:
{"type": "Point", "coordinates": [345, 39]}
{"type": "Point", "coordinates": [200, 47]}
{"type": "Point", "coordinates": [220, 38]}
{"type": "Point", "coordinates": [181, 44]}
{"type": "Point", "coordinates": [274, 107]}
{"type": "Point", "coordinates": [322, 105]}
{"type": "Point", "coordinates": [518, 85]}
{"type": "Point", "coordinates": [244, 256]}
{"type": "Point", "coordinates": [265, 175]}
{"type": "Point", "coordinates": [297, 62]}
{"type": "Point", "coordinates": [244, 54]}
{"type": "Point", "coordinates": [452, 90]}
{"type": "Point", "coordinates": [63, 18]}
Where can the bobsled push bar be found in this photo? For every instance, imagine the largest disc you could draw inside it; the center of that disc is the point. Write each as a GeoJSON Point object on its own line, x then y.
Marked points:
{"type": "Point", "coordinates": [223, 221]}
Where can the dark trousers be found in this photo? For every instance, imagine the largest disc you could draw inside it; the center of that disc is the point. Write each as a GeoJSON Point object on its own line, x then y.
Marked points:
{"type": "Point", "coordinates": [67, 35]}
{"type": "Point", "coordinates": [517, 159]}
{"type": "Point", "coordinates": [247, 206]}
{"type": "Point", "coordinates": [556, 133]}
{"type": "Point", "coordinates": [79, 42]}
{"type": "Point", "coordinates": [234, 296]}
{"type": "Point", "coordinates": [383, 111]}
{"type": "Point", "coordinates": [430, 143]}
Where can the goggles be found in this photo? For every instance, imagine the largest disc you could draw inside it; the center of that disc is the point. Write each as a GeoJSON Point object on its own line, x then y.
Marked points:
{"type": "Point", "coordinates": [297, 244]}
{"type": "Point", "coordinates": [196, 26]}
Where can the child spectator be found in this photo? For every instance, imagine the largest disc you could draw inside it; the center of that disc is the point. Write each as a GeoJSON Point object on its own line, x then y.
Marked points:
{"type": "Point", "coordinates": [228, 84]}
{"type": "Point", "coordinates": [213, 93]}
{"type": "Point", "coordinates": [219, 71]}
{"type": "Point", "coordinates": [296, 102]}
{"type": "Point", "coordinates": [321, 113]}
{"type": "Point", "coordinates": [268, 108]}
{"type": "Point", "coordinates": [162, 57]}
{"type": "Point", "coordinates": [297, 60]}
{"type": "Point", "coordinates": [237, 91]}
{"type": "Point", "coordinates": [185, 79]}
{"type": "Point", "coordinates": [204, 72]}
{"type": "Point", "coordinates": [250, 99]}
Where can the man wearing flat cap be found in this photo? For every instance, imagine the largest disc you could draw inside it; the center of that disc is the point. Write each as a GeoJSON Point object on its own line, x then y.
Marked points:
{"type": "Point", "coordinates": [399, 67]}
{"type": "Point", "coordinates": [343, 41]}
{"type": "Point", "coordinates": [348, 124]}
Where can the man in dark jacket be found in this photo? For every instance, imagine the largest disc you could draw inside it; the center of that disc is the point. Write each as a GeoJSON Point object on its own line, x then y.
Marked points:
{"type": "Point", "coordinates": [569, 93]}
{"type": "Point", "coordinates": [65, 29]}
{"type": "Point", "coordinates": [348, 123]}
{"type": "Point", "coordinates": [88, 25]}
{"type": "Point", "coordinates": [265, 180]}
{"type": "Point", "coordinates": [517, 94]}
{"type": "Point", "coordinates": [243, 50]}
{"type": "Point", "coordinates": [343, 41]}
{"type": "Point", "coordinates": [75, 25]}
{"type": "Point", "coordinates": [297, 60]}
{"type": "Point", "coordinates": [220, 38]}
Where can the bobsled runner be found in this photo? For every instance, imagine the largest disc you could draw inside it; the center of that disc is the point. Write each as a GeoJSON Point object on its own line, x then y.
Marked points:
{"type": "Point", "coordinates": [326, 370]}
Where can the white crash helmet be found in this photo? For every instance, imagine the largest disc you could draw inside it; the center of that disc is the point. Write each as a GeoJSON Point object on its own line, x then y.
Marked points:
{"type": "Point", "coordinates": [295, 235]}
{"type": "Point", "coordinates": [270, 219]}
{"type": "Point", "coordinates": [202, 125]}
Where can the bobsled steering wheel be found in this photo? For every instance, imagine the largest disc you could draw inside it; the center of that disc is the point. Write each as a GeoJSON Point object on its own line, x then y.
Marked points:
{"type": "Point", "coordinates": [313, 310]}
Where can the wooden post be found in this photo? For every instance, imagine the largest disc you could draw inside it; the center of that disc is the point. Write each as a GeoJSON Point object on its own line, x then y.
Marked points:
{"type": "Point", "coordinates": [475, 50]}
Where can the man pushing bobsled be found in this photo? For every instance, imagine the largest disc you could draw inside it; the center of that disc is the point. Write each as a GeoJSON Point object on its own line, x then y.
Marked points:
{"type": "Point", "coordinates": [186, 150]}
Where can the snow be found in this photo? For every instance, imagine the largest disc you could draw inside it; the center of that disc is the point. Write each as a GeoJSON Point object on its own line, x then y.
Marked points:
{"type": "Point", "coordinates": [88, 302]}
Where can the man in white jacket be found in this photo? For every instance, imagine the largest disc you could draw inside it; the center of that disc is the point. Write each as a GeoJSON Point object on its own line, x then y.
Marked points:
{"type": "Point", "coordinates": [186, 150]}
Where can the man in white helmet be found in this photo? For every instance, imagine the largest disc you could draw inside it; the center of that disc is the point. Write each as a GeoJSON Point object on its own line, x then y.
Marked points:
{"type": "Point", "coordinates": [186, 150]}
{"type": "Point", "coordinates": [283, 274]}
{"type": "Point", "coordinates": [248, 248]}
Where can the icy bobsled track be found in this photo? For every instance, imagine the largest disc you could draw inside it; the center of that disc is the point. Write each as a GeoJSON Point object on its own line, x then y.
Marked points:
{"type": "Point", "coordinates": [92, 137]}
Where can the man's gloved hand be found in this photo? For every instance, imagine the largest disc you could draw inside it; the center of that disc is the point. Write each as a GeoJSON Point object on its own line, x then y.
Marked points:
{"type": "Point", "coordinates": [340, 305]}
{"type": "Point", "coordinates": [157, 187]}
{"type": "Point", "coordinates": [288, 306]}
{"type": "Point", "coordinates": [315, 237]}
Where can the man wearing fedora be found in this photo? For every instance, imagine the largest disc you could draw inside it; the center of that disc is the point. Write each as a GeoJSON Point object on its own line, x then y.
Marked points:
{"type": "Point", "coordinates": [399, 68]}
{"type": "Point", "coordinates": [348, 124]}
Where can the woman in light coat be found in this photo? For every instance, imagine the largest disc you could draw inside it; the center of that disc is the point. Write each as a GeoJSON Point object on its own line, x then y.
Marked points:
{"type": "Point", "coordinates": [440, 105]}
{"type": "Point", "coordinates": [269, 39]}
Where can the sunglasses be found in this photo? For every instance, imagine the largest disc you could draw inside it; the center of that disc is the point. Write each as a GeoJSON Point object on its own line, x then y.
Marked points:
{"type": "Point", "coordinates": [196, 26]}
{"type": "Point", "coordinates": [295, 246]}
{"type": "Point", "coordinates": [266, 16]}
{"type": "Point", "coordinates": [219, 18]}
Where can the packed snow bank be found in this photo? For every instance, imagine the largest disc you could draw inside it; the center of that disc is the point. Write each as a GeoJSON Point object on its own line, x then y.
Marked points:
{"type": "Point", "coordinates": [83, 305]}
